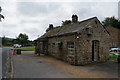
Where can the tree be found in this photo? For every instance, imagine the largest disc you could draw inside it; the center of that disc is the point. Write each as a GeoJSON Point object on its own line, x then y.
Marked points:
{"type": "Point", "coordinates": [23, 36]}
{"type": "Point", "coordinates": [22, 39]}
{"type": "Point", "coordinates": [7, 41]}
{"type": "Point", "coordinates": [4, 40]}
{"type": "Point", "coordinates": [111, 21]}
{"type": "Point", "coordinates": [1, 16]}
{"type": "Point", "coordinates": [15, 41]}
{"type": "Point", "coordinates": [66, 22]}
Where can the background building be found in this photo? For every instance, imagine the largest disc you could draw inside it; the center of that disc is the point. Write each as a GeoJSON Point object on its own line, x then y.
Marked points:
{"type": "Point", "coordinates": [114, 36]}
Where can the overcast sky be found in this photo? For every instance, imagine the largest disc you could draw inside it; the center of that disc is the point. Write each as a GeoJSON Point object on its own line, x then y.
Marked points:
{"type": "Point", "coordinates": [33, 17]}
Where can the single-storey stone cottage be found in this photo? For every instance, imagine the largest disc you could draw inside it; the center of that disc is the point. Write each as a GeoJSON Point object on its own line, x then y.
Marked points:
{"type": "Point", "coordinates": [78, 43]}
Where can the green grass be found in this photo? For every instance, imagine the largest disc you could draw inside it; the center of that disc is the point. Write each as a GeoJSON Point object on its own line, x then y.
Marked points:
{"type": "Point", "coordinates": [31, 48]}
{"type": "Point", "coordinates": [113, 57]}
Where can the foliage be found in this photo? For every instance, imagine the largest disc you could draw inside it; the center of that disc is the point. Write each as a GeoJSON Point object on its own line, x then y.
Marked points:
{"type": "Point", "coordinates": [113, 57]}
{"type": "Point", "coordinates": [111, 21]}
{"type": "Point", "coordinates": [15, 41]}
{"type": "Point", "coordinates": [22, 39]}
{"type": "Point", "coordinates": [31, 48]}
{"type": "Point", "coordinates": [1, 16]}
{"type": "Point", "coordinates": [23, 36]}
{"type": "Point", "coordinates": [6, 41]}
{"type": "Point", "coordinates": [0, 41]}
{"type": "Point", "coordinates": [66, 22]}
{"type": "Point", "coordinates": [35, 42]}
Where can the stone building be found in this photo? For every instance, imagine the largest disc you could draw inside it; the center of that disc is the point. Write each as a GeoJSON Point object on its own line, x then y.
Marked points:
{"type": "Point", "coordinates": [79, 43]}
{"type": "Point", "coordinates": [114, 36]}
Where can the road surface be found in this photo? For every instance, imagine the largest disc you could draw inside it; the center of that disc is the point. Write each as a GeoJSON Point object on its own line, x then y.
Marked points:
{"type": "Point", "coordinates": [29, 65]}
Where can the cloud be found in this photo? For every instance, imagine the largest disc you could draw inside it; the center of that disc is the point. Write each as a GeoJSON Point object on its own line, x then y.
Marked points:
{"type": "Point", "coordinates": [35, 9]}
{"type": "Point", "coordinates": [119, 10]}
{"type": "Point", "coordinates": [98, 9]}
{"type": "Point", "coordinates": [33, 32]}
{"type": "Point", "coordinates": [63, 0]}
{"type": "Point", "coordinates": [34, 17]}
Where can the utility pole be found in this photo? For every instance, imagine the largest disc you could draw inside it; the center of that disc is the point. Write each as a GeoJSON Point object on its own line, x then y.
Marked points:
{"type": "Point", "coordinates": [119, 21]}
{"type": "Point", "coordinates": [119, 10]}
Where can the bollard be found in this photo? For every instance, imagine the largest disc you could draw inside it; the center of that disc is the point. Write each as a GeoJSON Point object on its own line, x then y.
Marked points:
{"type": "Point", "coordinates": [14, 51]}
{"type": "Point", "coordinates": [18, 51]}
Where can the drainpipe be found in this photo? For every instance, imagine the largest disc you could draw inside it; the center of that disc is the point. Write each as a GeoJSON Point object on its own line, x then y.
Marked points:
{"type": "Point", "coordinates": [75, 35]}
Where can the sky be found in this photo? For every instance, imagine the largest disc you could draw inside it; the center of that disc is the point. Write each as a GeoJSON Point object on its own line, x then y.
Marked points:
{"type": "Point", "coordinates": [33, 17]}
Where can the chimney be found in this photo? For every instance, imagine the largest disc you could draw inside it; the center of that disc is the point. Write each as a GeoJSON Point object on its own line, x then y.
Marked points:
{"type": "Point", "coordinates": [51, 26]}
{"type": "Point", "coordinates": [74, 18]}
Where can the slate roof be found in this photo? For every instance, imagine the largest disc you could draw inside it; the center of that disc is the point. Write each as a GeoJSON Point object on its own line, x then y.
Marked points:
{"type": "Point", "coordinates": [70, 28]}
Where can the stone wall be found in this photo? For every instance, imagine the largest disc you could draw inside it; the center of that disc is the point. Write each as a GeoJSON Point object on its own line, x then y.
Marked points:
{"type": "Point", "coordinates": [61, 52]}
{"type": "Point", "coordinates": [83, 40]}
{"type": "Point", "coordinates": [84, 44]}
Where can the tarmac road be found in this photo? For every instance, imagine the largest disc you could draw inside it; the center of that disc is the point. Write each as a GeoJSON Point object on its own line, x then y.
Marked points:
{"type": "Point", "coordinates": [29, 65]}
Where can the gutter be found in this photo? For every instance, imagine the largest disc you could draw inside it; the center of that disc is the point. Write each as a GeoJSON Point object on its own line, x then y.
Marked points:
{"type": "Point", "coordinates": [75, 49]}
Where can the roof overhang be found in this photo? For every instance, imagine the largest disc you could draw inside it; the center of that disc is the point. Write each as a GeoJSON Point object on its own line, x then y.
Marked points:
{"type": "Point", "coordinates": [42, 39]}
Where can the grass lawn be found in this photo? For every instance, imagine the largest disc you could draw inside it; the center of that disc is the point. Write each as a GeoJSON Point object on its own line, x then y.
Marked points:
{"type": "Point", "coordinates": [31, 48]}
{"type": "Point", "coordinates": [113, 57]}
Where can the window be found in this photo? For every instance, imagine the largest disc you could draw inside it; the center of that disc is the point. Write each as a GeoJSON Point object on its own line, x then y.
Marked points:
{"type": "Point", "coordinates": [89, 30]}
{"type": "Point", "coordinates": [95, 21]}
{"type": "Point", "coordinates": [59, 45]}
{"type": "Point", "coordinates": [53, 43]}
{"type": "Point", "coordinates": [70, 45]}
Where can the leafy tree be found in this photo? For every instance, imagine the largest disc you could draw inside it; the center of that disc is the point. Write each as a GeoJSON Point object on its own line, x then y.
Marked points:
{"type": "Point", "coordinates": [4, 40]}
{"type": "Point", "coordinates": [1, 16]}
{"type": "Point", "coordinates": [22, 39]}
{"type": "Point", "coordinates": [15, 41]}
{"type": "Point", "coordinates": [66, 22]}
{"type": "Point", "coordinates": [111, 21]}
{"type": "Point", "coordinates": [7, 41]}
{"type": "Point", "coordinates": [23, 36]}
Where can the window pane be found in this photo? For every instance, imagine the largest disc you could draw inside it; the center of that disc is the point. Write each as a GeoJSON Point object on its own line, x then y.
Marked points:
{"type": "Point", "coordinates": [70, 45]}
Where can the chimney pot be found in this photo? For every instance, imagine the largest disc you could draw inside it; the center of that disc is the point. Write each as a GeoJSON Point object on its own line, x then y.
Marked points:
{"type": "Point", "coordinates": [74, 18]}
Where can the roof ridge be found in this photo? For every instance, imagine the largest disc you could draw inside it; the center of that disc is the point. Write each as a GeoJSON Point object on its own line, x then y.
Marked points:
{"type": "Point", "coordinates": [87, 19]}
{"type": "Point", "coordinates": [68, 28]}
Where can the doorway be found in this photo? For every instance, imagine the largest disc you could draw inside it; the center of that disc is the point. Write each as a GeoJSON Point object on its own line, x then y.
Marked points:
{"type": "Point", "coordinates": [45, 47]}
{"type": "Point", "coordinates": [95, 50]}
